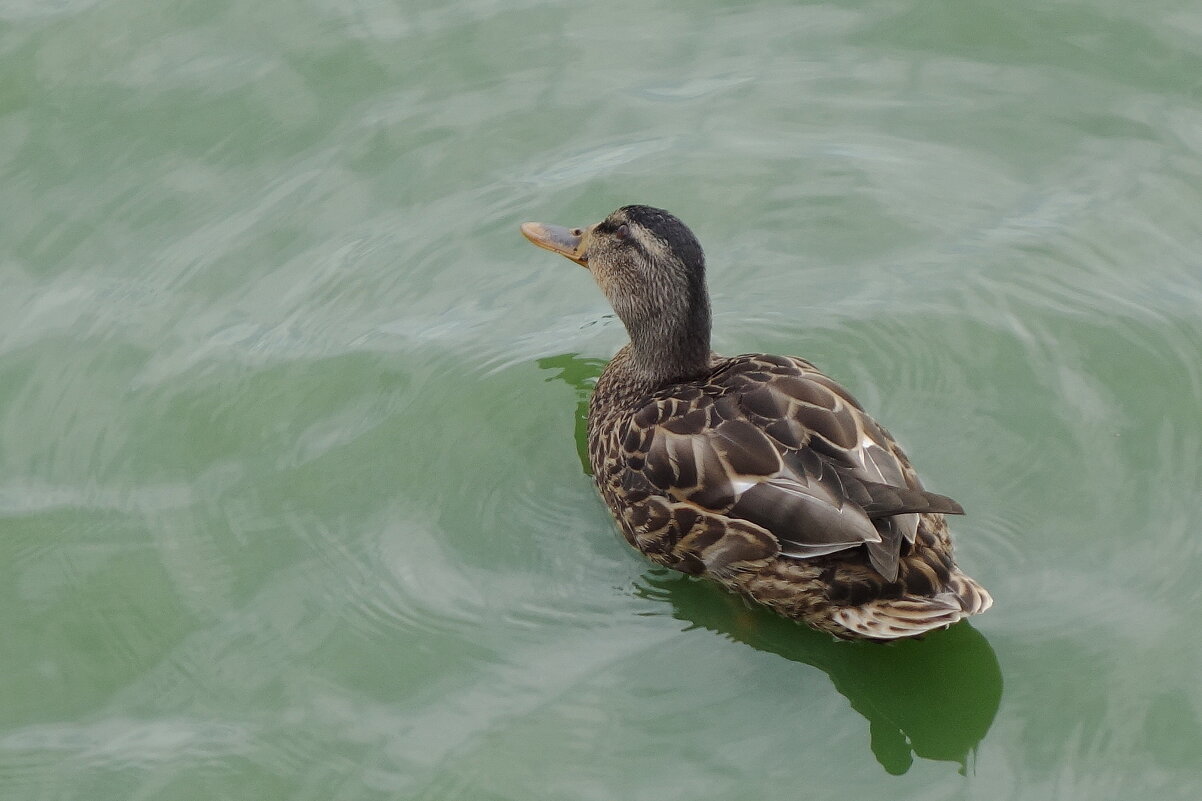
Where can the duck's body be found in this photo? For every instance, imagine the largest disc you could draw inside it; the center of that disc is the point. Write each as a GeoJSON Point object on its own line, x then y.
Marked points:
{"type": "Point", "coordinates": [746, 475]}
{"type": "Point", "coordinates": [756, 471]}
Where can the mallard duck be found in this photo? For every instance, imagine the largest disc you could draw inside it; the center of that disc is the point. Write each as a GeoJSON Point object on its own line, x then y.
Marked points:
{"type": "Point", "coordinates": [756, 471]}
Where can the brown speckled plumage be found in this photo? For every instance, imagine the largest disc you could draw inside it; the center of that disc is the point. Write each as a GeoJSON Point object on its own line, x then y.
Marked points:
{"type": "Point", "coordinates": [756, 471]}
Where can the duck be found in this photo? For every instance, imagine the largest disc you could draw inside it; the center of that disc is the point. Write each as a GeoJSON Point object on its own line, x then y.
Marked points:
{"type": "Point", "coordinates": [758, 472]}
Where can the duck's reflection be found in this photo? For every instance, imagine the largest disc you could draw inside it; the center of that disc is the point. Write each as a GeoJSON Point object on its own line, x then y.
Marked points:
{"type": "Point", "coordinates": [934, 698]}
{"type": "Point", "coordinates": [581, 375]}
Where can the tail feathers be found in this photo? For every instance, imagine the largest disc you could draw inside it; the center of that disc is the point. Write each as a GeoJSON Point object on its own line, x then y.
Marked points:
{"type": "Point", "coordinates": [894, 620]}
{"type": "Point", "coordinates": [974, 599]}
{"type": "Point", "coordinates": [911, 616]}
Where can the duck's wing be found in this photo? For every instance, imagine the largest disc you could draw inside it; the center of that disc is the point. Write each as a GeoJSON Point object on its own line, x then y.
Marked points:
{"type": "Point", "coordinates": [776, 445]}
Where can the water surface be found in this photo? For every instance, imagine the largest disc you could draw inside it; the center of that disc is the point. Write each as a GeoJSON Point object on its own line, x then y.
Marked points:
{"type": "Point", "coordinates": [291, 504]}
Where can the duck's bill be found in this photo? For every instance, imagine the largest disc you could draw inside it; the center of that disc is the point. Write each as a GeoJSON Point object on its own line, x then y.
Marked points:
{"type": "Point", "coordinates": [567, 242]}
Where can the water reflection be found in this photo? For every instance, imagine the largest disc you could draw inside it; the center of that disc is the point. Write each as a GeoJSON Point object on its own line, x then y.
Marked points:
{"type": "Point", "coordinates": [580, 373]}
{"type": "Point", "coordinates": [933, 698]}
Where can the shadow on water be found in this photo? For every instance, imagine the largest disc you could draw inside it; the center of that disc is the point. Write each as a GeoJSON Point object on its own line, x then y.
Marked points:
{"type": "Point", "coordinates": [933, 698]}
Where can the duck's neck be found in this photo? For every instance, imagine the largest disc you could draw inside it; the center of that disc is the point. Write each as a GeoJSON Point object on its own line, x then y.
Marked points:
{"type": "Point", "coordinates": [672, 350]}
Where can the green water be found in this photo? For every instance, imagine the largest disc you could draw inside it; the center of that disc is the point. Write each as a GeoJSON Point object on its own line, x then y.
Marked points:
{"type": "Point", "coordinates": [291, 503]}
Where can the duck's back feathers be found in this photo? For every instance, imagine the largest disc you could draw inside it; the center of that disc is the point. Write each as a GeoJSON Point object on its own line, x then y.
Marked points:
{"type": "Point", "coordinates": [774, 443]}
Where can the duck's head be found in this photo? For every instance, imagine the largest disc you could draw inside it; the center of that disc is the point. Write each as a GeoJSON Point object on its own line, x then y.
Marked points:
{"type": "Point", "coordinates": [652, 270]}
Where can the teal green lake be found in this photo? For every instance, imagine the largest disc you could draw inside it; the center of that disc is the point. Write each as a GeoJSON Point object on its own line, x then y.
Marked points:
{"type": "Point", "coordinates": [291, 499]}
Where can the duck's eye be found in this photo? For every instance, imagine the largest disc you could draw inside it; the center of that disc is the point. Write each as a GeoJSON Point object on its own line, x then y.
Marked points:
{"type": "Point", "coordinates": [623, 232]}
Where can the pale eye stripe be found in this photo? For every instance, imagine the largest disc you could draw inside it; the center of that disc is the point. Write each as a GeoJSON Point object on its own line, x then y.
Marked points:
{"type": "Point", "coordinates": [656, 248]}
